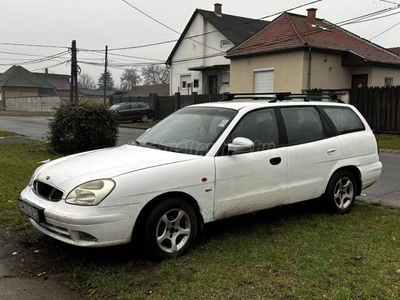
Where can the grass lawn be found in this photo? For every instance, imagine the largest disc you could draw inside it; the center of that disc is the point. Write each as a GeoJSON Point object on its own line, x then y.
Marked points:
{"type": "Point", "coordinates": [294, 252]}
{"type": "Point", "coordinates": [389, 141]}
{"type": "Point", "coordinates": [7, 133]}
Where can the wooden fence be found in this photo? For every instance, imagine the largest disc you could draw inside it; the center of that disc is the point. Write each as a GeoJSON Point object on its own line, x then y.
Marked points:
{"type": "Point", "coordinates": [380, 106]}
{"type": "Point", "coordinates": [166, 105]}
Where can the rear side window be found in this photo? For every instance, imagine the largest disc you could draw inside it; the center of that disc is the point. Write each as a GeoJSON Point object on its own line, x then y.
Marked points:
{"type": "Point", "coordinates": [344, 119]}
{"type": "Point", "coordinates": [303, 124]}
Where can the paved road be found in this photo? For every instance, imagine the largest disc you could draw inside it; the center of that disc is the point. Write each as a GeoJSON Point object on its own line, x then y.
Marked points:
{"type": "Point", "coordinates": [37, 127]}
{"type": "Point", "coordinates": [387, 190]}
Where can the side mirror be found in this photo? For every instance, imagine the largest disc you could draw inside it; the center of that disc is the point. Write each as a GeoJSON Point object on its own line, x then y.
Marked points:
{"type": "Point", "coordinates": [241, 145]}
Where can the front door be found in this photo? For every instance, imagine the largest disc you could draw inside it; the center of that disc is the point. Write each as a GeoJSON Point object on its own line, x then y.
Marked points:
{"type": "Point", "coordinates": [256, 180]}
{"type": "Point", "coordinates": [359, 81]}
{"type": "Point", "coordinates": [213, 84]}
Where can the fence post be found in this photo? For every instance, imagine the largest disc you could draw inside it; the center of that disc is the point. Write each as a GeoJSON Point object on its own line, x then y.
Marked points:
{"type": "Point", "coordinates": [194, 98]}
{"type": "Point", "coordinates": [177, 101]}
{"type": "Point", "coordinates": [154, 97]}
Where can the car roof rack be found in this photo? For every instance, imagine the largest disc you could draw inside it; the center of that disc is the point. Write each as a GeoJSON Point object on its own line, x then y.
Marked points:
{"type": "Point", "coordinates": [283, 96]}
{"type": "Point", "coordinates": [254, 96]}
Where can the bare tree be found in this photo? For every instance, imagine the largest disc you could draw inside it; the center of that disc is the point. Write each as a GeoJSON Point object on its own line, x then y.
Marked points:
{"type": "Point", "coordinates": [130, 78]}
{"type": "Point", "coordinates": [86, 82]}
{"type": "Point", "coordinates": [155, 74]}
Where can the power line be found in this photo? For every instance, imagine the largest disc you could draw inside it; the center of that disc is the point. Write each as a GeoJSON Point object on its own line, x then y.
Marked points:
{"type": "Point", "coordinates": [33, 45]}
{"type": "Point", "coordinates": [383, 32]}
{"type": "Point", "coordinates": [150, 17]}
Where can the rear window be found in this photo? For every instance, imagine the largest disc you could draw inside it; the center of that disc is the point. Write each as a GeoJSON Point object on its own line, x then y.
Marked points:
{"type": "Point", "coordinates": [344, 119]}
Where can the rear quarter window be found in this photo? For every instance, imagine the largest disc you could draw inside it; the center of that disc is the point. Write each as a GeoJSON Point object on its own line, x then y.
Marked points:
{"type": "Point", "coordinates": [344, 119]}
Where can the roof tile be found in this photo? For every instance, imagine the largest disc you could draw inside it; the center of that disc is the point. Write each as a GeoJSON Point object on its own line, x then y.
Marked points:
{"type": "Point", "coordinates": [290, 31]}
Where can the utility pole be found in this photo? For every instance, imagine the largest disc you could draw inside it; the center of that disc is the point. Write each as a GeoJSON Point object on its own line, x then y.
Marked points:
{"type": "Point", "coordinates": [73, 95]}
{"type": "Point", "coordinates": [105, 78]}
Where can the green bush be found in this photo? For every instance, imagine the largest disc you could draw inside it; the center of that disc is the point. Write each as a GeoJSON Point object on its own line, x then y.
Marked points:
{"type": "Point", "coordinates": [82, 127]}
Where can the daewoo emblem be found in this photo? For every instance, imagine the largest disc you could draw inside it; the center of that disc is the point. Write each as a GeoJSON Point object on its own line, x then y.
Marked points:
{"type": "Point", "coordinates": [48, 177]}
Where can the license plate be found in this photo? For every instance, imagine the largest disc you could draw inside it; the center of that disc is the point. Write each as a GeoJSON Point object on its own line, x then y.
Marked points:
{"type": "Point", "coordinates": [31, 211]}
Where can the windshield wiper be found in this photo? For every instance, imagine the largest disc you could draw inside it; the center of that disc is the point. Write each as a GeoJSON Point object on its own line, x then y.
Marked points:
{"type": "Point", "coordinates": [155, 145]}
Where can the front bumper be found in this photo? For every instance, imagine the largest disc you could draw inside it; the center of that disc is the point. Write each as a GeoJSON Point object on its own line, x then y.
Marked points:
{"type": "Point", "coordinates": [89, 226]}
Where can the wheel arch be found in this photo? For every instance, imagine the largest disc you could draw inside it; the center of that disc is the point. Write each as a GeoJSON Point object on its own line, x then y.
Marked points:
{"type": "Point", "coordinates": [157, 200]}
{"type": "Point", "coordinates": [356, 174]}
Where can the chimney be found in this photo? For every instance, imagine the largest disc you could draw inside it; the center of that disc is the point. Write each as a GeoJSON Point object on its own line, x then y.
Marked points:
{"type": "Point", "coordinates": [311, 15]}
{"type": "Point", "coordinates": [218, 9]}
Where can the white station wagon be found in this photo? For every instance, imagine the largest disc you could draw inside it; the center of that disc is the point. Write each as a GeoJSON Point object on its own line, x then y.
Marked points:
{"type": "Point", "coordinates": [204, 163]}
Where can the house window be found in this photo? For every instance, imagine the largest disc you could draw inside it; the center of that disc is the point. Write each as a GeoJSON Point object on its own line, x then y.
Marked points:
{"type": "Point", "coordinates": [196, 83]}
{"type": "Point", "coordinates": [185, 81]}
{"type": "Point", "coordinates": [225, 78]}
{"type": "Point", "coordinates": [225, 43]}
{"type": "Point", "coordinates": [388, 81]}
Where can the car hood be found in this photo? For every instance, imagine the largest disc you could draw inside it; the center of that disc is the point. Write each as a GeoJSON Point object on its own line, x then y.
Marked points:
{"type": "Point", "coordinates": [105, 163]}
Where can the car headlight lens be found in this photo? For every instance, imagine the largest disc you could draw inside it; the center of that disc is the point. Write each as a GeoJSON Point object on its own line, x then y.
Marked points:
{"type": "Point", "coordinates": [91, 193]}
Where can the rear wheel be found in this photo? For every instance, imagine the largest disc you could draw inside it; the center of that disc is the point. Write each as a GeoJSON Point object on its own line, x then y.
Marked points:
{"type": "Point", "coordinates": [170, 229]}
{"type": "Point", "coordinates": [341, 192]}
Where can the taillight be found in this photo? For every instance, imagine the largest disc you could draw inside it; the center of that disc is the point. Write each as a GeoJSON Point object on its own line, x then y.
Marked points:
{"type": "Point", "coordinates": [377, 144]}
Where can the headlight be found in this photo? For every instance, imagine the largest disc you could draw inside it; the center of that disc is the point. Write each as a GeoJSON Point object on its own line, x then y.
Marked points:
{"type": "Point", "coordinates": [91, 193]}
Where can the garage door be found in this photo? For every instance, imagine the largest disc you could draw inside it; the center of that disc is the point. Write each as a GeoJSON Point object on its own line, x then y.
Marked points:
{"type": "Point", "coordinates": [264, 81]}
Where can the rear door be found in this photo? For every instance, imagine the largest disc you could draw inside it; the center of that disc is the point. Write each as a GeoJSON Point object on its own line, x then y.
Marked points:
{"type": "Point", "coordinates": [312, 152]}
{"type": "Point", "coordinates": [256, 180]}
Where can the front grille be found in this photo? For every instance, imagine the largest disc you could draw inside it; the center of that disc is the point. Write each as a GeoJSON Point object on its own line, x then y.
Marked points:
{"type": "Point", "coordinates": [47, 191]}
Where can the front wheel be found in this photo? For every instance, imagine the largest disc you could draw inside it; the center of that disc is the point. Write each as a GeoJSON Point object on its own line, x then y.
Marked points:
{"type": "Point", "coordinates": [144, 118]}
{"type": "Point", "coordinates": [341, 192]}
{"type": "Point", "coordinates": [170, 229]}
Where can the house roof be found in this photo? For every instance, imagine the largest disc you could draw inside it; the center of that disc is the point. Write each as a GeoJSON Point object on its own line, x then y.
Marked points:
{"type": "Point", "coordinates": [17, 76]}
{"type": "Point", "coordinates": [59, 81]}
{"type": "Point", "coordinates": [145, 90]}
{"type": "Point", "coordinates": [236, 29]}
{"type": "Point", "coordinates": [96, 93]}
{"type": "Point", "coordinates": [291, 32]}
{"type": "Point", "coordinates": [395, 50]}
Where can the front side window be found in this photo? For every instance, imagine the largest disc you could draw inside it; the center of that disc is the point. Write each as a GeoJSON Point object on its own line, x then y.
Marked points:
{"type": "Point", "coordinates": [303, 124]}
{"type": "Point", "coordinates": [344, 119]}
{"type": "Point", "coordinates": [260, 127]}
{"type": "Point", "coordinates": [189, 130]}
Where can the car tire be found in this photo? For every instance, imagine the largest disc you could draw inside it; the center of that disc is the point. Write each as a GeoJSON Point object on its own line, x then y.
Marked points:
{"type": "Point", "coordinates": [341, 192]}
{"type": "Point", "coordinates": [144, 118]}
{"type": "Point", "coordinates": [170, 229]}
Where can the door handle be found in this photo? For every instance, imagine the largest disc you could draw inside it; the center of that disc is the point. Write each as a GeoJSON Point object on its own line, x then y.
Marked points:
{"type": "Point", "coordinates": [331, 151]}
{"type": "Point", "coordinates": [275, 161]}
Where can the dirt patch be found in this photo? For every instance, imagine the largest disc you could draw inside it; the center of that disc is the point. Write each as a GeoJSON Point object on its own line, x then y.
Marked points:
{"type": "Point", "coordinates": [23, 271]}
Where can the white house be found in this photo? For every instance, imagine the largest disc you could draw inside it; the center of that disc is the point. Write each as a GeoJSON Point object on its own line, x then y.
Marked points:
{"type": "Point", "coordinates": [197, 62]}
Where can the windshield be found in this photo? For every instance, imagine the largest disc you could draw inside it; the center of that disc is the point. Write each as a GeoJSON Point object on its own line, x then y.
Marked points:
{"type": "Point", "coordinates": [191, 130]}
{"type": "Point", "coordinates": [115, 106]}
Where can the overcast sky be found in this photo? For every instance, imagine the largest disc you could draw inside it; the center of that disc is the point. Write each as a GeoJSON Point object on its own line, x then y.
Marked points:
{"type": "Point", "coordinates": [97, 23]}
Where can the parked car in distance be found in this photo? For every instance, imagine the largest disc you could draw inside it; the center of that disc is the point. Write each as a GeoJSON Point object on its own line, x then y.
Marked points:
{"type": "Point", "coordinates": [133, 111]}
{"type": "Point", "coordinates": [203, 163]}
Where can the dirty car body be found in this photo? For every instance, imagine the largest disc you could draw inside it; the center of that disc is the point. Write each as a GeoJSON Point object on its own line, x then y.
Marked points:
{"type": "Point", "coordinates": [203, 163]}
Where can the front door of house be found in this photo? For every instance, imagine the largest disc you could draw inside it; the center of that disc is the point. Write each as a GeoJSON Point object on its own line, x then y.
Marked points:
{"type": "Point", "coordinates": [213, 84]}
{"type": "Point", "coordinates": [359, 81]}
